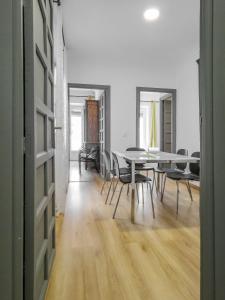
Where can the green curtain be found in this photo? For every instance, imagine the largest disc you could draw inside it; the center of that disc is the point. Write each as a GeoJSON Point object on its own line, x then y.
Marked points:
{"type": "Point", "coordinates": [153, 134]}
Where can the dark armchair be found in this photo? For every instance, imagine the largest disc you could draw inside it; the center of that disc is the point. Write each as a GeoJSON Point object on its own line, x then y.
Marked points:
{"type": "Point", "coordinates": [89, 154]}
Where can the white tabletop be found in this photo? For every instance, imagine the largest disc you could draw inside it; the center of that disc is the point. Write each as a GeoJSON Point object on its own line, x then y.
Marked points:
{"type": "Point", "coordinates": [155, 157]}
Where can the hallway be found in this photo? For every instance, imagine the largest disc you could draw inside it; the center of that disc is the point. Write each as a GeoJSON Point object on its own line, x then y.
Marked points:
{"type": "Point", "coordinates": [98, 258]}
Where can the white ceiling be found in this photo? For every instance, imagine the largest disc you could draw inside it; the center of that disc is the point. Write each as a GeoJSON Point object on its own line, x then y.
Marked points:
{"type": "Point", "coordinates": [116, 28]}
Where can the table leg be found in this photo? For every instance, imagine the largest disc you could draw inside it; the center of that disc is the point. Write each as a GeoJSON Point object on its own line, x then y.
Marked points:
{"type": "Point", "coordinates": [133, 192]}
{"type": "Point", "coordinates": [187, 170]}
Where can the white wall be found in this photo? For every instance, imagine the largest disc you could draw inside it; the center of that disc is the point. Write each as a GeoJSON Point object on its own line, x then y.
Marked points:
{"type": "Point", "coordinates": [188, 130]}
{"type": "Point", "coordinates": [123, 80]}
{"type": "Point", "coordinates": [61, 113]}
{"type": "Point", "coordinates": [181, 74]}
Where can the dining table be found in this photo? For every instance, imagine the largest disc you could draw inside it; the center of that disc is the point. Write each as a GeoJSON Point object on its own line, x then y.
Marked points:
{"type": "Point", "coordinates": [156, 157]}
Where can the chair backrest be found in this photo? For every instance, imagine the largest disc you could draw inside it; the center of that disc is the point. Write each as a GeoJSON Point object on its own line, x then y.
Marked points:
{"type": "Point", "coordinates": [195, 167]}
{"type": "Point", "coordinates": [116, 166]}
{"type": "Point", "coordinates": [182, 166]}
{"type": "Point", "coordinates": [135, 149]}
{"type": "Point", "coordinates": [107, 161]}
{"type": "Point", "coordinates": [94, 152]}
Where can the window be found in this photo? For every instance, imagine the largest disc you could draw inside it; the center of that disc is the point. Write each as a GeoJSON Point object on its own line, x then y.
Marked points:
{"type": "Point", "coordinates": [142, 135]}
{"type": "Point", "coordinates": [148, 121]}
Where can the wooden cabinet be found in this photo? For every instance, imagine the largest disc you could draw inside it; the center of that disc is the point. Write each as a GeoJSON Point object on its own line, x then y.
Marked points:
{"type": "Point", "coordinates": [92, 121]}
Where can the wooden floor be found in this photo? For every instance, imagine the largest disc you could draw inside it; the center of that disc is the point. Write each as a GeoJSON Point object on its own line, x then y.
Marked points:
{"type": "Point", "coordinates": [101, 259]}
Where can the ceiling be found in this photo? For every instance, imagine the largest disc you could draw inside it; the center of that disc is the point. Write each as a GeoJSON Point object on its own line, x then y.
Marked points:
{"type": "Point", "coordinates": [116, 29]}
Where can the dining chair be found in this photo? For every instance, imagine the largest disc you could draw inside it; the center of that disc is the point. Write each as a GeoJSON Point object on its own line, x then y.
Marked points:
{"type": "Point", "coordinates": [163, 171]}
{"type": "Point", "coordinates": [141, 167]}
{"type": "Point", "coordinates": [89, 155]}
{"type": "Point", "coordinates": [110, 174]}
{"type": "Point", "coordinates": [127, 179]}
{"type": "Point", "coordinates": [194, 175]}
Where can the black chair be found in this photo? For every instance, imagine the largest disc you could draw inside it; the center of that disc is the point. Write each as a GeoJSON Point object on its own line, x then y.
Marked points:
{"type": "Point", "coordinates": [111, 174]}
{"type": "Point", "coordinates": [140, 166]}
{"type": "Point", "coordinates": [163, 171]}
{"type": "Point", "coordinates": [127, 179]}
{"type": "Point", "coordinates": [89, 155]}
{"type": "Point", "coordinates": [194, 175]}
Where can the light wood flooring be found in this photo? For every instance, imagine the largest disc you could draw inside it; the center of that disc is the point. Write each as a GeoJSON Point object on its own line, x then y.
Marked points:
{"type": "Point", "coordinates": [99, 258]}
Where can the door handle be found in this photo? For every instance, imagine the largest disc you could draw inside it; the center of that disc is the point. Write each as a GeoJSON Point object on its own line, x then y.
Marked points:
{"type": "Point", "coordinates": [58, 128]}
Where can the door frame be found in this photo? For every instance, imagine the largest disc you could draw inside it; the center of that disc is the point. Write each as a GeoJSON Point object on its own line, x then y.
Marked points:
{"type": "Point", "coordinates": [12, 209]}
{"type": "Point", "coordinates": [107, 89]}
{"type": "Point", "coordinates": [11, 150]}
{"type": "Point", "coordinates": [157, 90]}
{"type": "Point", "coordinates": [212, 120]}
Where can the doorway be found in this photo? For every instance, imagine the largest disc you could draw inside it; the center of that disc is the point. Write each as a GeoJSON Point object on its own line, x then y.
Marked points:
{"type": "Point", "coordinates": [156, 119]}
{"type": "Point", "coordinates": [89, 127]}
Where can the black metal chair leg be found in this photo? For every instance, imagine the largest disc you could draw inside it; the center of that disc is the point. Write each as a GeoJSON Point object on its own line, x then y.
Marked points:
{"type": "Point", "coordinates": [79, 163]}
{"type": "Point", "coordinates": [147, 176]}
{"type": "Point", "coordinates": [103, 186]}
{"type": "Point", "coordinates": [113, 184]}
{"type": "Point", "coordinates": [158, 183]}
{"type": "Point", "coordinates": [154, 181]}
{"type": "Point", "coordinates": [128, 189]}
{"type": "Point", "coordinates": [109, 190]}
{"type": "Point", "coordinates": [117, 201]}
{"type": "Point", "coordinates": [137, 193]}
{"type": "Point", "coordinates": [163, 190]}
{"type": "Point", "coordinates": [114, 190]}
{"type": "Point", "coordinates": [143, 197]}
{"type": "Point", "coordinates": [151, 195]}
{"type": "Point", "coordinates": [178, 191]}
{"type": "Point", "coordinates": [189, 190]}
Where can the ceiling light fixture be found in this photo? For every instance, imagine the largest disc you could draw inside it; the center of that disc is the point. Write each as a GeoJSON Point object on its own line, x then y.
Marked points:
{"type": "Point", "coordinates": [151, 14]}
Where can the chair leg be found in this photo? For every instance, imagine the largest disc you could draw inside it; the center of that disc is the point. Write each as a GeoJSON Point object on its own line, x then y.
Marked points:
{"type": "Point", "coordinates": [79, 166]}
{"type": "Point", "coordinates": [109, 190]}
{"type": "Point", "coordinates": [147, 176]}
{"type": "Point", "coordinates": [163, 188]}
{"type": "Point", "coordinates": [178, 191]}
{"type": "Point", "coordinates": [128, 189]}
{"type": "Point", "coordinates": [114, 190]}
{"type": "Point", "coordinates": [103, 186]}
{"type": "Point", "coordinates": [189, 190]}
{"type": "Point", "coordinates": [153, 182]}
{"type": "Point", "coordinates": [151, 195]}
{"type": "Point", "coordinates": [158, 183]}
{"type": "Point", "coordinates": [137, 193]}
{"type": "Point", "coordinates": [117, 201]}
{"type": "Point", "coordinates": [113, 185]}
{"type": "Point", "coordinates": [143, 197]}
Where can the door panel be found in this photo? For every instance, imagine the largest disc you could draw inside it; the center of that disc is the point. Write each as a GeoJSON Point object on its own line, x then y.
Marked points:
{"type": "Point", "coordinates": [166, 124]}
{"type": "Point", "coordinates": [212, 95]}
{"type": "Point", "coordinates": [39, 154]}
{"type": "Point", "coordinates": [102, 131]}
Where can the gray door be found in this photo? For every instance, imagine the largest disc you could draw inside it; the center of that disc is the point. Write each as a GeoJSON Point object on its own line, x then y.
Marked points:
{"type": "Point", "coordinates": [166, 124]}
{"type": "Point", "coordinates": [102, 131]}
{"type": "Point", "coordinates": [212, 94]}
{"type": "Point", "coordinates": [39, 148]}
